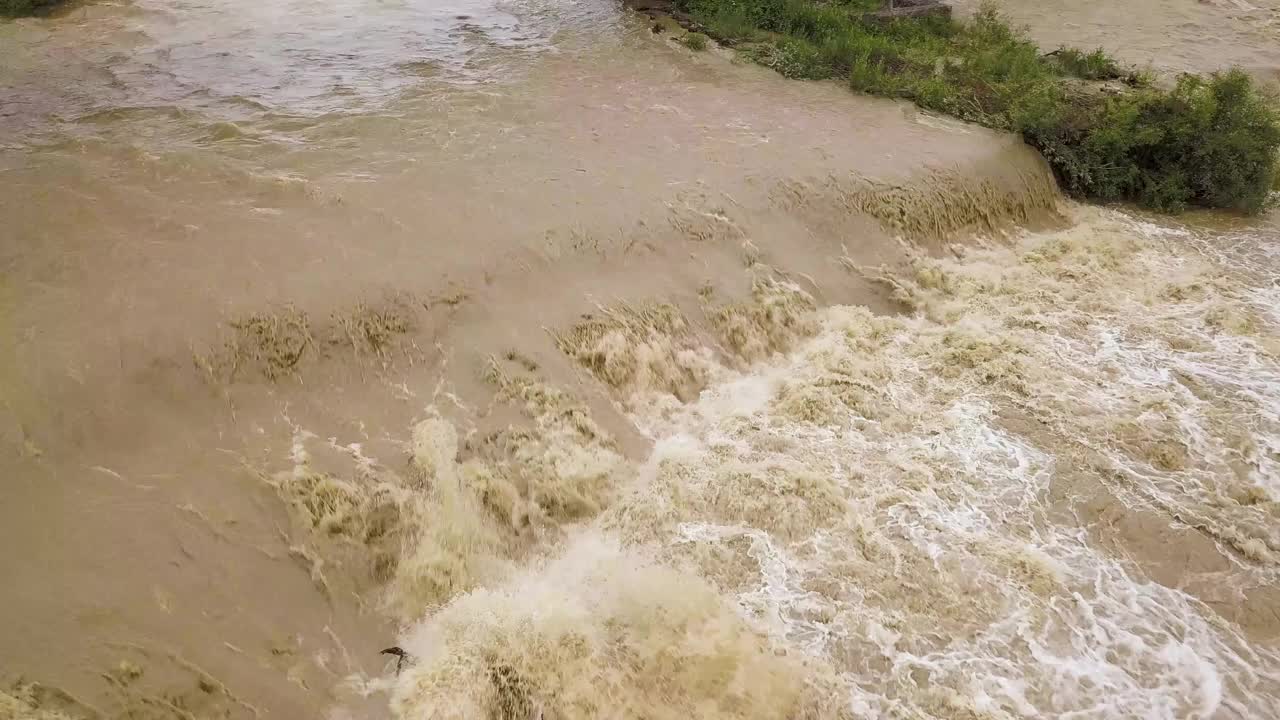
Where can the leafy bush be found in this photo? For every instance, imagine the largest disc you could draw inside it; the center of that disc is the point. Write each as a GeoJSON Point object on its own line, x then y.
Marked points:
{"type": "Point", "coordinates": [18, 8]}
{"type": "Point", "coordinates": [695, 41]}
{"type": "Point", "coordinates": [1209, 141]}
{"type": "Point", "coordinates": [1096, 65]}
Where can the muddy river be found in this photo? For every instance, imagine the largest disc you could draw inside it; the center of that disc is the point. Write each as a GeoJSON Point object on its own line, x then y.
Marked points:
{"type": "Point", "coordinates": [607, 379]}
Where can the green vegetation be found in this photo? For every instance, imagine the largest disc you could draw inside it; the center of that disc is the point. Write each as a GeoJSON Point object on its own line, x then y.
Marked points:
{"type": "Point", "coordinates": [1209, 141]}
{"type": "Point", "coordinates": [19, 8]}
{"type": "Point", "coordinates": [1096, 65]}
{"type": "Point", "coordinates": [695, 41]}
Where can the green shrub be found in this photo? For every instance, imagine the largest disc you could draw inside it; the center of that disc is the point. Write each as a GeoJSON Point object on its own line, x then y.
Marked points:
{"type": "Point", "coordinates": [1209, 141]}
{"type": "Point", "coordinates": [19, 8]}
{"type": "Point", "coordinates": [695, 41]}
{"type": "Point", "coordinates": [799, 59]}
{"type": "Point", "coordinates": [1096, 65]}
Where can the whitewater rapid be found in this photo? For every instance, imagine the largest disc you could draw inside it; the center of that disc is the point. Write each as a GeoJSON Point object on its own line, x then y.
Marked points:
{"type": "Point", "coordinates": [1030, 494]}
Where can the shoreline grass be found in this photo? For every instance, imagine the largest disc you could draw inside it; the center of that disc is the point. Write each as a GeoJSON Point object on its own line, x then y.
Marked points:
{"type": "Point", "coordinates": [25, 8]}
{"type": "Point", "coordinates": [1109, 134]}
{"type": "Point", "coordinates": [695, 41]}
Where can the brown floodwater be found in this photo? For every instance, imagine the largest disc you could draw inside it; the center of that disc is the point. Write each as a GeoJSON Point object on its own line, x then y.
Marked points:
{"type": "Point", "coordinates": [607, 378]}
{"type": "Point", "coordinates": [1169, 37]}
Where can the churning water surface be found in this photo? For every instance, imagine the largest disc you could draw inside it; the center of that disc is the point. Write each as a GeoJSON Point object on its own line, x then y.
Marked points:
{"type": "Point", "coordinates": [605, 379]}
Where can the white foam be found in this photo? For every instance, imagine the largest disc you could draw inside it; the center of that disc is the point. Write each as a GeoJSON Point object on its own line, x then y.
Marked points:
{"type": "Point", "coordinates": [897, 501]}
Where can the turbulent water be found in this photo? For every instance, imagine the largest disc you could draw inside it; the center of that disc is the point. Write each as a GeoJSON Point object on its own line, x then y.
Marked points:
{"type": "Point", "coordinates": [918, 515]}
{"type": "Point", "coordinates": [606, 380]}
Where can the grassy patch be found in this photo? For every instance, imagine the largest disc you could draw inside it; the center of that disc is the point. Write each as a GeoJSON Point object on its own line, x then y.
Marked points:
{"type": "Point", "coordinates": [20, 8]}
{"type": "Point", "coordinates": [695, 41]}
{"type": "Point", "coordinates": [1210, 141]}
{"type": "Point", "coordinates": [1096, 65]}
{"type": "Point", "coordinates": [275, 343]}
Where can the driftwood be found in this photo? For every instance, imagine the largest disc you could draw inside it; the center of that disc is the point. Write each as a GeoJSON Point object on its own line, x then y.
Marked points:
{"type": "Point", "coordinates": [401, 657]}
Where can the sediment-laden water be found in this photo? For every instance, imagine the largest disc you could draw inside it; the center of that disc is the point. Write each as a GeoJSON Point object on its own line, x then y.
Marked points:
{"type": "Point", "coordinates": [1040, 491]}
{"type": "Point", "coordinates": [1167, 37]}
{"type": "Point", "coordinates": [606, 380]}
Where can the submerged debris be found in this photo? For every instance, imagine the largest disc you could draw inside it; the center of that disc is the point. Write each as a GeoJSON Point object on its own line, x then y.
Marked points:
{"type": "Point", "coordinates": [273, 344]}
{"type": "Point", "coordinates": [637, 349]}
{"type": "Point", "coordinates": [401, 656]}
{"type": "Point", "coordinates": [777, 316]}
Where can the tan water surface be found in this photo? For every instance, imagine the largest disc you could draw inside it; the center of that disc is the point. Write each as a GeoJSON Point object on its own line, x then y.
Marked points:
{"type": "Point", "coordinates": [607, 379]}
{"type": "Point", "coordinates": [1169, 36]}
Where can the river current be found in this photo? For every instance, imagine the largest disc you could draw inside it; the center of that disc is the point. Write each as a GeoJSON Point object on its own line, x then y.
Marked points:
{"type": "Point", "coordinates": [604, 379]}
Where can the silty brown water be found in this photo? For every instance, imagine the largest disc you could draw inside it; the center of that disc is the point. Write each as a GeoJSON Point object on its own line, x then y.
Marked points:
{"type": "Point", "coordinates": [313, 253]}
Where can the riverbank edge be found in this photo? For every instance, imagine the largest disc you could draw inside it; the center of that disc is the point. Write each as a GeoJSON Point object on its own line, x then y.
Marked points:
{"type": "Point", "coordinates": [1110, 133]}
